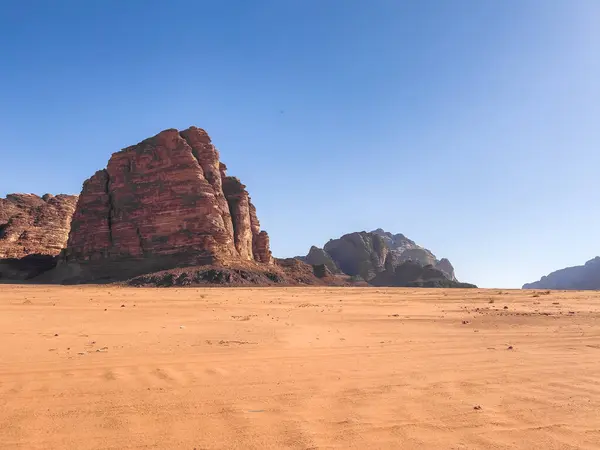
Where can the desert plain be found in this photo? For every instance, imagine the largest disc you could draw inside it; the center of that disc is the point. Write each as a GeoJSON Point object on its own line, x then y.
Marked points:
{"type": "Point", "coordinates": [108, 367]}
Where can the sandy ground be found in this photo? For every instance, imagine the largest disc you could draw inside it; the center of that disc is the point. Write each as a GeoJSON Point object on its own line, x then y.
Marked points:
{"type": "Point", "coordinates": [301, 368]}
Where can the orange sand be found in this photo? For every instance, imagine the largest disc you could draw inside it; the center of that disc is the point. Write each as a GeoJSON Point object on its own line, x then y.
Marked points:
{"type": "Point", "coordinates": [299, 368]}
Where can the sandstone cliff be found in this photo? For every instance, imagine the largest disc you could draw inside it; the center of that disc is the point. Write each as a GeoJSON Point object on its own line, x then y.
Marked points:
{"type": "Point", "coordinates": [165, 202]}
{"type": "Point", "coordinates": [33, 230]}
{"type": "Point", "coordinates": [586, 277]}
{"type": "Point", "coordinates": [34, 225]}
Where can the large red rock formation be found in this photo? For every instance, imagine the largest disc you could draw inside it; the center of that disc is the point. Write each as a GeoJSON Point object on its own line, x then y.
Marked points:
{"type": "Point", "coordinates": [163, 203]}
{"type": "Point", "coordinates": [32, 225]}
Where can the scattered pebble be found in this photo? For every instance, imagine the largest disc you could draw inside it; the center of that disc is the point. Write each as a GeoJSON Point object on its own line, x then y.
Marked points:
{"type": "Point", "coordinates": [477, 407]}
{"type": "Point", "coordinates": [510, 347]}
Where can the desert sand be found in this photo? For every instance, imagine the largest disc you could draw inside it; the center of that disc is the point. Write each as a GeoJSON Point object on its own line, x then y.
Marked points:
{"type": "Point", "coordinates": [301, 368]}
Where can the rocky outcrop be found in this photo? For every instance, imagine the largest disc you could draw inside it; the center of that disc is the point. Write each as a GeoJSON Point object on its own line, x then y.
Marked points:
{"type": "Point", "coordinates": [286, 272]}
{"type": "Point", "coordinates": [397, 242]}
{"type": "Point", "coordinates": [262, 248]}
{"type": "Point", "coordinates": [239, 205]}
{"type": "Point", "coordinates": [405, 249]}
{"type": "Point", "coordinates": [165, 202]}
{"type": "Point", "coordinates": [445, 266]}
{"type": "Point", "coordinates": [586, 277]}
{"type": "Point", "coordinates": [419, 255]}
{"type": "Point", "coordinates": [32, 225]}
{"type": "Point", "coordinates": [367, 255]}
{"type": "Point", "coordinates": [317, 256]}
{"type": "Point", "coordinates": [413, 274]}
{"type": "Point", "coordinates": [358, 254]}
{"type": "Point", "coordinates": [321, 271]}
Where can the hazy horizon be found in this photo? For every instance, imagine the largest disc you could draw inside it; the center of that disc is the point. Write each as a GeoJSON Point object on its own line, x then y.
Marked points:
{"type": "Point", "coordinates": [468, 126]}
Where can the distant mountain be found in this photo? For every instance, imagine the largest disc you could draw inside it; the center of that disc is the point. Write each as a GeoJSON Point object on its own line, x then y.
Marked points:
{"type": "Point", "coordinates": [586, 277]}
{"type": "Point", "coordinates": [404, 249]}
{"type": "Point", "coordinates": [384, 259]}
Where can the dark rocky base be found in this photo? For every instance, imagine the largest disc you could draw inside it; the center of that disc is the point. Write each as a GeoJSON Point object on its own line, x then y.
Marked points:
{"type": "Point", "coordinates": [27, 268]}
{"type": "Point", "coordinates": [285, 272]}
{"type": "Point", "coordinates": [440, 284]}
{"type": "Point", "coordinates": [41, 269]}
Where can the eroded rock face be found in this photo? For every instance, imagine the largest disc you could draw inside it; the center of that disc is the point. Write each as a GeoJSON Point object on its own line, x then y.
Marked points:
{"type": "Point", "coordinates": [413, 274]}
{"type": "Point", "coordinates": [321, 271]}
{"type": "Point", "coordinates": [32, 225]}
{"type": "Point", "coordinates": [317, 256]}
{"type": "Point", "coordinates": [405, 249]}
{"type": "Point", "coordinates": [369, 254]}
{"type": "Point", "coordinates": [239, 205]}
{"type": "Point", "coordinates": [361, 254]}
{"type": "Point", "coordinates": [261, 248]}
{"type": "Point", "coordinates": [445, 266]}
{"type": "Point", "coordinates": [162, 203]}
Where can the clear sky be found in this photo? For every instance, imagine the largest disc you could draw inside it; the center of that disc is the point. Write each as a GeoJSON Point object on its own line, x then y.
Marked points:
{"type": "Point", "coordinates": [471, 126]}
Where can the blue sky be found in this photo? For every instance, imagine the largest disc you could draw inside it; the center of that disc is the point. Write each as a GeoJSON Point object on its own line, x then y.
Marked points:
{"type": "Point", "coordinates": [470, 126]}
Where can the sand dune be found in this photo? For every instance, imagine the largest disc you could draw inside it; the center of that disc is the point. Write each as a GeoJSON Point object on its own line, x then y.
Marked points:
{"type": "Point", "coordinates": [300, 368]}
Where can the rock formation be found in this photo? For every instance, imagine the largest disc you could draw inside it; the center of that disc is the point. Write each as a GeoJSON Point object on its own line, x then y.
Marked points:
{"type": "Point", "coordinates": [366, 255]}
{"type": "Point", "coordinates": [165, 202]}
{"type": "Point", "coordinates": [586, 277]}
{"type": "Point", "coordinates": [445, 266]}
{"type": "Point", "coordinates": [32, 225]}
{"type": "Point", "coordinates": [358, 254]}
{"type": "Point", "coordinates": [413, 274]}
{"type": "Point", "coordinates": [33, 230]}
{"type": "Point", "coordinates": [405, 249]}
{"type": "Point", "coordinates": [317, 256]}
{"type": "Point", "coordinates": [321, 271]}
{"type": "Point", "coordinates": [250, 241]}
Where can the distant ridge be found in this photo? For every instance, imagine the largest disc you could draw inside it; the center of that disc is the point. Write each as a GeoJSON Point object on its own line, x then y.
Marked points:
{"type": "Point", "coordinates": [586, 277]}
{"type": "Point", "coordinates": [384, 259]}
